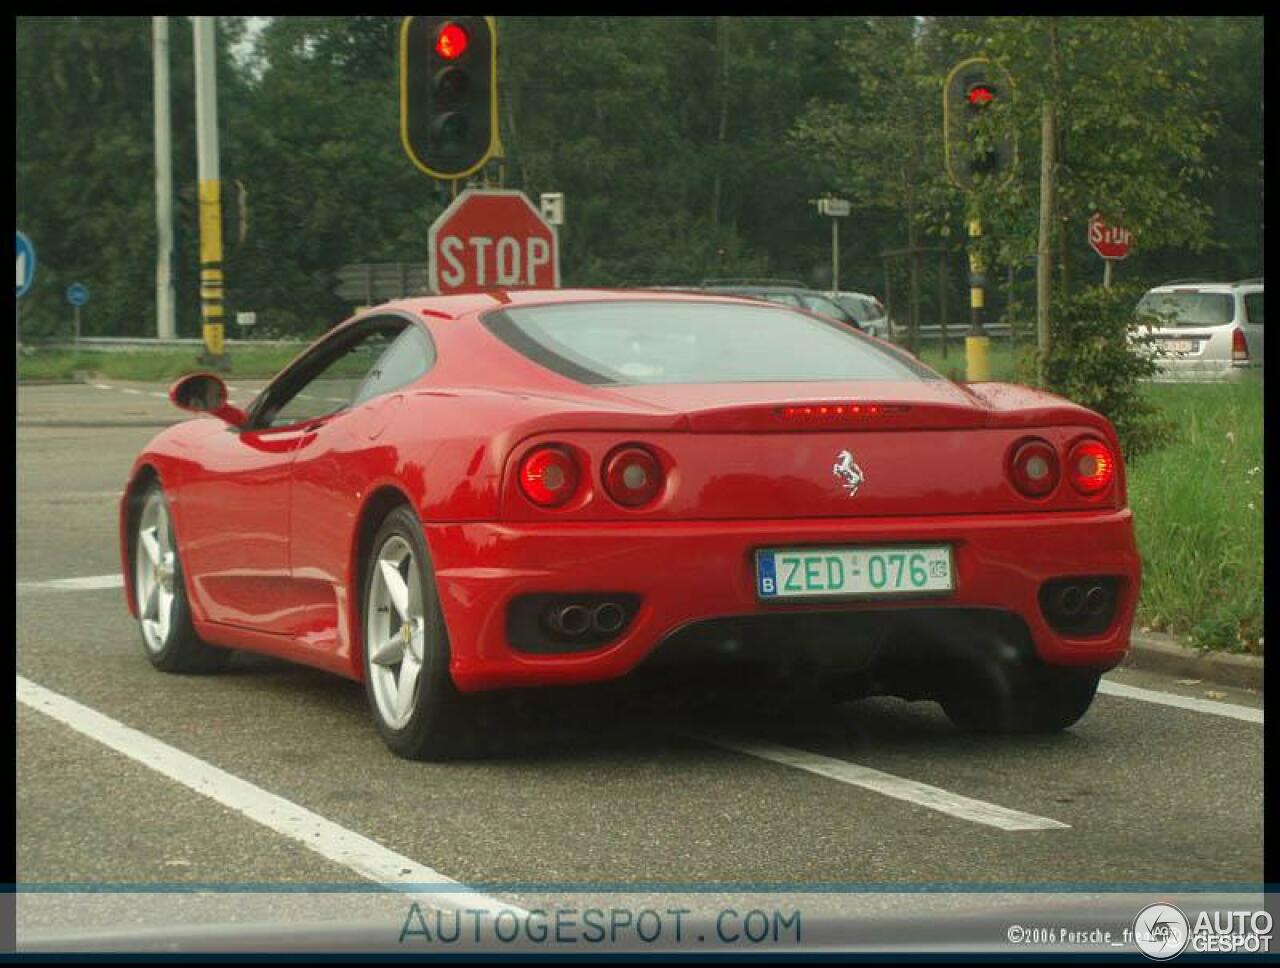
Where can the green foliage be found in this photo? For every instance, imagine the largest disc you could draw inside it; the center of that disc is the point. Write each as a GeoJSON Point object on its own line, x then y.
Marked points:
{"type": "Point", "coordinates": [1198, 510]}
{"type": "Point", "coordinates": [1098, 358]}
{"type": "Point", "coordinates": [686, 147]}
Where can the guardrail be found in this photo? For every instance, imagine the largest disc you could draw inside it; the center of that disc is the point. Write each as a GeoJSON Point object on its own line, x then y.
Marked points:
{"type": "Point", "coordinates": [955, 331]}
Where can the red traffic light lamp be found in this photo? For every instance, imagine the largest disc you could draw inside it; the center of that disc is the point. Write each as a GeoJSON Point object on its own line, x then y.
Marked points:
{"type": "Point", "coordinates": [451, 41]}
{"type": "Point", "coordinates": [980, 95]}
{"type": "Point", "coordinates": [449, 93]}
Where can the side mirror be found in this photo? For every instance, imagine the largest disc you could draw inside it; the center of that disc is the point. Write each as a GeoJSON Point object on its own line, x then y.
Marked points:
{"type": "Point", "coordinates": [206, 393]}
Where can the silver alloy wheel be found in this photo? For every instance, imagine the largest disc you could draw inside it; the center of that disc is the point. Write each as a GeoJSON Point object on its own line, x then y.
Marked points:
{"type": "Point", "coordinates": [395, 631]}
{"type": "Point", "coordinates": [154, 568]}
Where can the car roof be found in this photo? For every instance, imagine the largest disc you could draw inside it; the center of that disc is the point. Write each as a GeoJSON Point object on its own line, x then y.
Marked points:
{"type": "Point", "coordinates": [791, 290]}
{"type": "Point", "coordinates": [1206, 285]}
{"type": "Point", "coordinates": [465, 304]}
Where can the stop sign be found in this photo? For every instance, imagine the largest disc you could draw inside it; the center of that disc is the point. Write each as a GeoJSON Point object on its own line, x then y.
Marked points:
{"type": "Point", "coordinates": [491, 239]}
{"type": "Point", "coordinates": [1108, 242]}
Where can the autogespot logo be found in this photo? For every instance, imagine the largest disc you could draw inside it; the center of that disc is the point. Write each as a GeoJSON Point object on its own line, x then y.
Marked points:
{"type": "Point", "coordinates": [1161, 931]}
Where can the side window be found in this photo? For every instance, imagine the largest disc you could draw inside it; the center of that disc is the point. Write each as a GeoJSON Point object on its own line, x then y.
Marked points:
{"type": "Point", "coordinates": [331, 381]}
{"type": "Point", "coordinates": [406, 359]}
{"type": "Point", "coordinates": [1253, 308]}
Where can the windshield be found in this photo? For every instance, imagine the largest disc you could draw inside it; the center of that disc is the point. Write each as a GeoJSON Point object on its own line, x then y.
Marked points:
{"type": "Point", "coordinates": [1189, 308]}
{"type": "Point", "coordinates": [637, 342]}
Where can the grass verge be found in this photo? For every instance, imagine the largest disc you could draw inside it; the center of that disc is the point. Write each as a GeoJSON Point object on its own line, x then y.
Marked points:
{"type": "Point", "coordinates": [1001, 360]}
{"type": "Point", "coordinates": [1197, 507]}
{"type": "Point", "coordinates": [253, 362]}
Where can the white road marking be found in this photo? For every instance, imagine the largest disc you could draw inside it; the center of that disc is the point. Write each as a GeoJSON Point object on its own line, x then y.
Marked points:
{"type": "Point", "coordinates": [921, 794]}
{"type": "Point", "coordinates": [101, 386]}
{"type": "Point", "coordinates": [136, 393]}
{"type": "Point", "coordinates": [331, 841]}
{"type": "Point", "coordinates": [157, 393]}
{"type": "Point", "coordinates": [1231, 710]}
{"type": "Point", "coordinates": [78, 584]}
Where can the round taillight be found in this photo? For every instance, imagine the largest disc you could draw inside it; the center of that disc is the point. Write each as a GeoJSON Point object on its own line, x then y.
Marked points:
{"type": "Point", "coordinates": [1035, 468]}
{"type": "Point", "coordinates": [549, 476]}
{"type": "Point", "coordinates": [1091, 466]}
{"type": "Point", "coordinates": [632, 476]}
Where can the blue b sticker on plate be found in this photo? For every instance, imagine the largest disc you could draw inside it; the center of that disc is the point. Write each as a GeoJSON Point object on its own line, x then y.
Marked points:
{"type": "Point", "coordinates": [766, 576]}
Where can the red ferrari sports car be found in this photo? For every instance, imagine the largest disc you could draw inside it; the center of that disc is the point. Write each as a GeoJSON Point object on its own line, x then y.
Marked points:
{"type": "Point", "coordinates": [454, 494]}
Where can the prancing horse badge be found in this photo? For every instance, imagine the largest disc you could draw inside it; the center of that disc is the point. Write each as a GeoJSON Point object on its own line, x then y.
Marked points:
{"type": "Point", "coordinates": [847, 469]}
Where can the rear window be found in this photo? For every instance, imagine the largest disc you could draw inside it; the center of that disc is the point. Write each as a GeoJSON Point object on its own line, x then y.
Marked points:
{"type": "Point", "coordinates": [1253, 308]}
{"type": "Point", "coordinates": [638, 342]}
{"type": "Point", "coordinates": [1187, 308]}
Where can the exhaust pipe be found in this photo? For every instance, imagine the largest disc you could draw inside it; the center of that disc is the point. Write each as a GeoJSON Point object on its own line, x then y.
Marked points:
{"type": "Point", "coordinates": [572, 619]}
{"type": "Point", "coordinates": [607, 617]}
{"type": "Point", "coordinates": [1095, 602]}
{"type": "Point", "coordinates": [1071, 599]}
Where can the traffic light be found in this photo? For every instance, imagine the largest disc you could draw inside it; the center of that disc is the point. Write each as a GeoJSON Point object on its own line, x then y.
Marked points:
{"type": "Point", "coordinates": [979, 136]}
{"type": "Point", "coordinates": [449, 93]}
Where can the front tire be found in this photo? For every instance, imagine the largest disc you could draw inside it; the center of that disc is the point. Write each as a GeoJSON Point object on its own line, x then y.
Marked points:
{"type": "Point", "coordinates": [164, 613]}
{"type": "Point", "coordinates": [415, 706]}
{"type": "Point", "coordinates": [1037, 700]}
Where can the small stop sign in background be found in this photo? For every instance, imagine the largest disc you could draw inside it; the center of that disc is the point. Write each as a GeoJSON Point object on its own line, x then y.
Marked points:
{"type": "Point", "coordinates": [1108, 241]}
{"type": "Point", "coordinates": [492, 240]}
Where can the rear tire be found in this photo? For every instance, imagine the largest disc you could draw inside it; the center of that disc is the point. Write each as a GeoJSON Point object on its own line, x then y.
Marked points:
{"type": "Point", "coordinates": [416, 707]}
{"type": "Point", "coordinates": [1023, 700]}
{"type": "Point", "coordinates": [164, 614]}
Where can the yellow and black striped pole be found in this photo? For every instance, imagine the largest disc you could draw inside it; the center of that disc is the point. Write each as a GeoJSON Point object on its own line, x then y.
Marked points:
{"type": "Point", "coordinates": [211, 281]}
{"type": "Point", "coordinates": [211, 309]}
{"type": "Point", "coordinates": [977, 344]}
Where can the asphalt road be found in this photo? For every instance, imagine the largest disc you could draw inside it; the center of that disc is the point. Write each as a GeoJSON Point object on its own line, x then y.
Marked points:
{"type": "Point", "coordinates": [593, 786]}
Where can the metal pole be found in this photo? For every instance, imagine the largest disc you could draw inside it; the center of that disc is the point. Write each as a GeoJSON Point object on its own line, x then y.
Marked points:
{"type": "Point", "coordinates": [77, 310]}
{"type": "Point", "coordinates": [211, 291]}
{"type": "Point", "coordinates": [942, 298]}
{"type": "Point", "coordinates": [1044, 258]}
{"type": "Point", "coordinates": [915, 297]}
{"type": "Point", "coordinates": [835, 254]}
{"type": "Point", "coordinates": [1106, 274]}
{"type": "Point", "coordinates": [165, 327]}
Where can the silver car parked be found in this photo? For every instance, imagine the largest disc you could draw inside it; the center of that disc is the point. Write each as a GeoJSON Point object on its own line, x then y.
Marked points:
{"type": "Point", "coordinates": [1204, 330]}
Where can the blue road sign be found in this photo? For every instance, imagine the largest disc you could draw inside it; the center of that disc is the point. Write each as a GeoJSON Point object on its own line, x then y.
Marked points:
{"type": "Point", "coordinates": [26, 264]}
{"type": "Point", "coordinates": [77, 294]}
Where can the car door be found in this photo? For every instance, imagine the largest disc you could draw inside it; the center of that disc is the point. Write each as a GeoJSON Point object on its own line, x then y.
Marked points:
{"type": "Point", "coordinates": [236, 507]}
{"type": "Point", "coordinates": [234, 514]}
{"type": "Point", "coordinates": [339, 458]}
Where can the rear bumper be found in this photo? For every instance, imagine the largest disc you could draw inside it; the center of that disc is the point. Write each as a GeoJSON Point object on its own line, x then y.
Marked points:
{"type": "Point", "coordinates": [1202, 371]}
{"type": "Point", "coordinates": [694, 571]}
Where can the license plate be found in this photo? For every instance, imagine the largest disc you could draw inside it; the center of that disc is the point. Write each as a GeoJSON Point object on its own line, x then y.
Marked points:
{"type": "Point", "coordinates": [1180, 345]}
{"type": "Point", "coordinates": [792, 573]}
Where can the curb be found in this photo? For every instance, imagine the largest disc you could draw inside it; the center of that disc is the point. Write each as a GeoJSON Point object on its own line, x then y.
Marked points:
{"type": "Point", "coordinates": [1162, 653]}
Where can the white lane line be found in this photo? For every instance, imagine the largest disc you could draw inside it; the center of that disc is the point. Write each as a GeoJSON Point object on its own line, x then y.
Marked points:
{"type": "Point", "coordinates": [921, 794]}
{"type": "Point", "coordinates": [1230, 710]}
{"type": "Point", "coordinates": [136, 393]}
{"type": "Point", "coordinates": [326, 838]}
{"type": "Point", "coordinates": [157, 393]}
{"type": "Point", "coordinates": [86, 582]}
{"type": "Point", "coordinates": [101, 386]}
